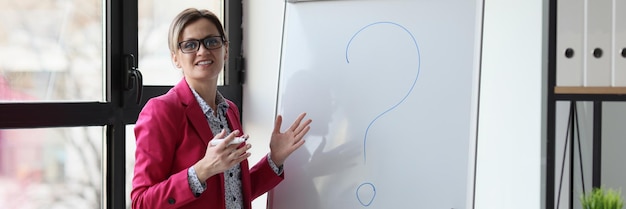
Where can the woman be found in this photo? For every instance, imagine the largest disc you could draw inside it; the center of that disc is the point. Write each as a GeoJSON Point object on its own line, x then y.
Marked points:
{"type": "Point", "coordinates": [175, 165]}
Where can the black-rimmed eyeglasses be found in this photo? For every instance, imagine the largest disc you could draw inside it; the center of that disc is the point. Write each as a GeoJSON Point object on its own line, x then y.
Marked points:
{"type": "Point", "coordinates": [211, 42]}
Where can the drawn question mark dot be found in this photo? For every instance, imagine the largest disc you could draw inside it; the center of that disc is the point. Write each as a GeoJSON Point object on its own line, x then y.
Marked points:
{"type": "Point", "coordinates": [366, 193]}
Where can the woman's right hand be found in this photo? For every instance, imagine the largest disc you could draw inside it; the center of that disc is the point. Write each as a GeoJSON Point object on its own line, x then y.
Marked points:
{"type": "Point", "coordinates": [221, 157]}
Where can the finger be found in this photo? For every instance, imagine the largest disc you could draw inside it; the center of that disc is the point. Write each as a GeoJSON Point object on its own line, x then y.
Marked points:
{"type": "Point", "coordinates": [242, 157]}
{"type": "Point", "coordinates": [303, 126]}
{"type": "Point", "coordinates": [296, 123]}
{"type": "Point", "coordinates": [303, 132]}
{"type": "Point", "coordinates": [231, 137]}
{"type": "Point", "coordinates": [221, 134]}
{"type": "Point", "coordinates": [277, 123]}
{"type": "Point", "coordinates": [226, 140]}
{"type": "Point", "coordinates": [237, 149]}
{"type": "Point", "coordinates": [241, 153]}
{"type": "Point", "coordinates": [232, 155]}
{"type": "Point", "coordinates": [297, 144]}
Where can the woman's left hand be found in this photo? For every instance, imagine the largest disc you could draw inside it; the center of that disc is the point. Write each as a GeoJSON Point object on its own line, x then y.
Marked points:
{"type": "Point", "coordinates": [283, 144]}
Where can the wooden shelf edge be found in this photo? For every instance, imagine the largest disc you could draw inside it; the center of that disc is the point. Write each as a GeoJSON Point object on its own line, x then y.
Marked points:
{"type": "Point", "coordinates": [589, 90]}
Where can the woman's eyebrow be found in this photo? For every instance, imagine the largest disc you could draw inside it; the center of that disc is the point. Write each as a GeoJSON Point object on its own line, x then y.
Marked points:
{"type": "Point", "coordinates": [210, 35]}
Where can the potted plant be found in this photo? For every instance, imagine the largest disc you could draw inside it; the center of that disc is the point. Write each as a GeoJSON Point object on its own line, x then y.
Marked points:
{"type": "Point", "coordinates": [601, 198]}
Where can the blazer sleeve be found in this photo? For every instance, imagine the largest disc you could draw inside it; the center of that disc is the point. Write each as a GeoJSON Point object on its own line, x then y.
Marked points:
{"type": "Point", "coordinates": [157, 132]}
{"type": "Point", "coordinates": [263, 178]}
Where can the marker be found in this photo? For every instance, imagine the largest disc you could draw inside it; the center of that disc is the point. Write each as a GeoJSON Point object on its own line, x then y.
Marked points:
{"type": "Point", "coordinates": [237, 140]}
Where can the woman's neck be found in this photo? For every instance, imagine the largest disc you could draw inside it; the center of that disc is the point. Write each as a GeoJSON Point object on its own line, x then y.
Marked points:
{"type": "Point", "coordinates": [206, 90]}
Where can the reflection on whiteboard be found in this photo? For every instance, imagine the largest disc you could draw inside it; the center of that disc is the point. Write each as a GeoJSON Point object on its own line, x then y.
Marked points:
{"type": "Point", "coordinates": [391, 86]}
{"type": "Point", "coordinates": [366, 192]}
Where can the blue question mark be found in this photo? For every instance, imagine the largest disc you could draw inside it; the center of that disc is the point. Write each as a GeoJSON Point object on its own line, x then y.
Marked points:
{"type": "Point", "coordinates": [366, 192]}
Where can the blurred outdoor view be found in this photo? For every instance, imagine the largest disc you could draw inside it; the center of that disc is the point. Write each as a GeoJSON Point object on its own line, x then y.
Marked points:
{"type": "Point", "coordinates": [53, 51]}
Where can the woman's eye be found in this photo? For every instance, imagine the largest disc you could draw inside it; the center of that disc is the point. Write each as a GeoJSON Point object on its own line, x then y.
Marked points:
{"type": "Point", "coordinates": [213, 42]}
{"type": "Point", "coordinates": [190, 45]}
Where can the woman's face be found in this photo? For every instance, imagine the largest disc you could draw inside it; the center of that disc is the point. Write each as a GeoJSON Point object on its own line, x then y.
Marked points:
{"type": "Point", "coordinates": [204, 64]}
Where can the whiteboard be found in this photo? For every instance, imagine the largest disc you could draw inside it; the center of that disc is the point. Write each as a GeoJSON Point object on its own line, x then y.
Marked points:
{"type": "Point", "coordinates": [392, 88]}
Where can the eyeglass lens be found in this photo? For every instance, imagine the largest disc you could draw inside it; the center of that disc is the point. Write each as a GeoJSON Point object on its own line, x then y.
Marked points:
{"type": "Point", "coordinates": [212, 42]}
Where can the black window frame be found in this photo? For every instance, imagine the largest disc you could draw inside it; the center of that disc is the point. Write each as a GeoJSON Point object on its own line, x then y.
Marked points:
{"type": "Point", "coordinates": [121, 108]}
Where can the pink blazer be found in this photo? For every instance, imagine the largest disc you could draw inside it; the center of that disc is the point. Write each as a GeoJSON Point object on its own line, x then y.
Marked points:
{"type": "Point", "coordinates": [172, 134]}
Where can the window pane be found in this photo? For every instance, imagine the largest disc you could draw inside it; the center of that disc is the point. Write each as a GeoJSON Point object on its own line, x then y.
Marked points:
{"type": "Point", "coordinates": [130, 161]}
{"type": "Point", "coordinates": [155, 61]}
{"type": "Point", "coordinates": [51, 50]}
{"type": "Point", "coordinates": [37, 164]}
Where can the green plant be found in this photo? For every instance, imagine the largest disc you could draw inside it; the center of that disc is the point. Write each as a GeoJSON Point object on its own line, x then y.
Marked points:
{"type": "Point", "coordinates": [601, 198]}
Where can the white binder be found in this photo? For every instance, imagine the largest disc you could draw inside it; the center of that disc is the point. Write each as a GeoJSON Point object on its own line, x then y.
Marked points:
{"type": "Point", "coordinates": [619, 44]}
{"type": "Point", "coordinates": [598, 48]}
{"type": "Point", "coordinates": [570, 42]}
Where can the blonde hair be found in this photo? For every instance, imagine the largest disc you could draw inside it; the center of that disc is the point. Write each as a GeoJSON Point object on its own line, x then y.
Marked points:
{"type": "Point", "coordinates": [188, 16]}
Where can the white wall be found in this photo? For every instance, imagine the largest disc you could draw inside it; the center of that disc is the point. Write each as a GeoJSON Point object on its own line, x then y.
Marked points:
{"type": "Point", "coordinates": [509, 167]}
{"type": "Point", "coordinates": [512, 107]}
{"type": "Point", "coordinates": [262, 31]}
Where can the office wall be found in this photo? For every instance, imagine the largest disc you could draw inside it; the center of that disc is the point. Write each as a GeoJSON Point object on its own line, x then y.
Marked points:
{"type": "Point", "coordinates": [262, 28]}
{"type": "Point", "coordinates": [512, 107]}
{"type": "Point", "coordinates": [509, 169]}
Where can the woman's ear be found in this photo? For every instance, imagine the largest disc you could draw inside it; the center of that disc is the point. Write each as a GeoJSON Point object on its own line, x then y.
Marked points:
{"type": "Point", "coordinates": [175, 60]}
{"type": "Point", "coordinates": [225, 51]}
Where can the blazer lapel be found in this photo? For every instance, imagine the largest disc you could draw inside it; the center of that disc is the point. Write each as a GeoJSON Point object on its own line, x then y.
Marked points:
{"type": "Point", "coordinates": [233, 118]}
{"type": "Point", "coordinates": [194, 112]}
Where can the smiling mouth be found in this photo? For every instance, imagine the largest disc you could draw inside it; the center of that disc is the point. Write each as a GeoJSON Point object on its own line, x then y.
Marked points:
{"type": "Point", "coordinates": [205, 62]}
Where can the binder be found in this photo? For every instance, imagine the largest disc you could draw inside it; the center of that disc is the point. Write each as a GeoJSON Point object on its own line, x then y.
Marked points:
{"type": "Point", "coordinates": [570, 42]}
{"type": "Point", "coordinates": [619, 45]}
{"type": "Point", "coordinates": [599, 45]}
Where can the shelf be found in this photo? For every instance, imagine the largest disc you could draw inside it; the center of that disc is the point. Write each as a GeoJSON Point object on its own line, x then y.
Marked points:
{"type": "Point", "coordinates": [589, 90]}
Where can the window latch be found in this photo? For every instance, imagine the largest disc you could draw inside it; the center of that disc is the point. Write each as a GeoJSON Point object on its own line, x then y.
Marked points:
{"type": "Point", "coordinates": [132, 77]}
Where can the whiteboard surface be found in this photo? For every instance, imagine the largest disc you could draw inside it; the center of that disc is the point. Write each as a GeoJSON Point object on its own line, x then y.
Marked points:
{"type": "Point", "coordinates": [392, 89]}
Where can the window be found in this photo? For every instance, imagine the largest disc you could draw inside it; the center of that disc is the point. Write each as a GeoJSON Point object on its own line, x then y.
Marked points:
{"type": "Point", "coordinates": [65, 114]}
{"type": "Point", "coordinates": [51, 51]}
{"type": "Point", "coordinates": [154, 21]}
